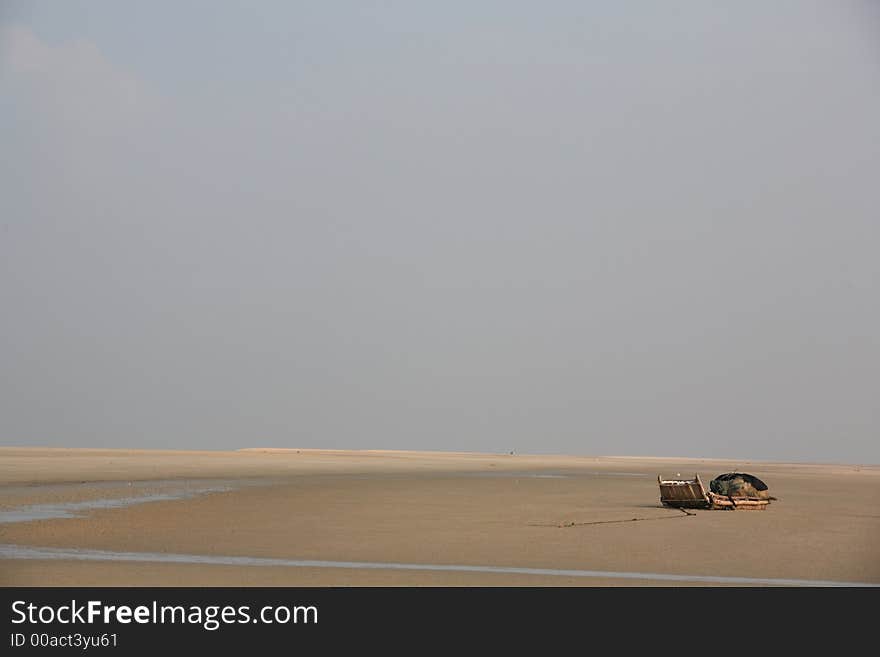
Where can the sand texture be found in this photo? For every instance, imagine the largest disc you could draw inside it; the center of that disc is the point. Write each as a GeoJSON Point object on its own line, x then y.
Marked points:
{"type": "Point", "coordinates": [553, 513]}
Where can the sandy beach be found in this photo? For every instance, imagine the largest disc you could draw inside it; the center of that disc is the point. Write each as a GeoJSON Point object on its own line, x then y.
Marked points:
{"type": "Point", "coordinates": [79, 517]}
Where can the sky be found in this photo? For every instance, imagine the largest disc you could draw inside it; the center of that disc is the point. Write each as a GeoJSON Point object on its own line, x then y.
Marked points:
{"type": "Point", "coordinates": [593, 228]}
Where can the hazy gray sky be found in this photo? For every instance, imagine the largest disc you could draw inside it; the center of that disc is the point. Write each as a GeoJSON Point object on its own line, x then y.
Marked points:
{"type": "Point", "coordinates": [572, 227]}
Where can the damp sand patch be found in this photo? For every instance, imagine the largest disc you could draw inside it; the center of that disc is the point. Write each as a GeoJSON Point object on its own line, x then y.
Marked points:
{"type": "Point", "coordinates": [42, 553]}
{"type": "Point", "coordinates": [506, 474]}
{"type": "Point", "coordinates": [106, 495]}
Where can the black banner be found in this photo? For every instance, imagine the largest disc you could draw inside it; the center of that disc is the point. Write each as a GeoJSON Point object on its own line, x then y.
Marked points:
{"type": "Point", "coordinates": [150, 620]}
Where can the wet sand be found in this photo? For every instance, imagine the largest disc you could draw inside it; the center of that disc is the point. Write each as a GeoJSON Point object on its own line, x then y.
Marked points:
{"type": "Point", "coordinates": [515, 512]}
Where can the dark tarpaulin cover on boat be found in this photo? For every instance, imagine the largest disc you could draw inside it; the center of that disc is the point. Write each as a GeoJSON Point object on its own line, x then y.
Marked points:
{"type": "Point", "coordinates": [738, 484]}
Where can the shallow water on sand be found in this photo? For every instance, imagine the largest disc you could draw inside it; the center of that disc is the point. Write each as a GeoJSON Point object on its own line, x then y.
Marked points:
{"type": "Point", "coordinates": [26, 552]}
{"type": "Point", "coordinates": [137, 493]}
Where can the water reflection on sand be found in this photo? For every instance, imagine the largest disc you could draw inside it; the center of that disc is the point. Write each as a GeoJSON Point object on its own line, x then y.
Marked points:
{"type": "Point", "coordinates": [141, 492]}
{"type": "Point", "coordinates": [27, 552]}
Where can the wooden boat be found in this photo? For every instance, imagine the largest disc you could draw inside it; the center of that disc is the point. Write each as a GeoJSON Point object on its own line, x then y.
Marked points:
{"type": "Point", "coordinates": [692, 494]}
